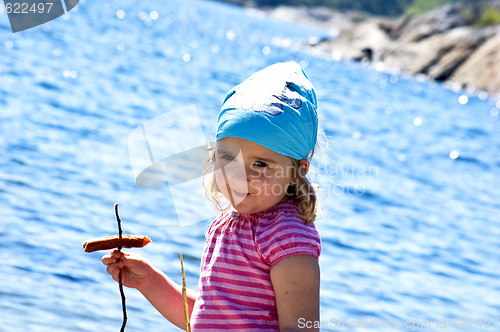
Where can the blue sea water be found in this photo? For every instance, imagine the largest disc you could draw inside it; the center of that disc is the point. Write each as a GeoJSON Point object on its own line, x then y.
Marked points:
{"type": "Point", "coordinates": [411, 220]}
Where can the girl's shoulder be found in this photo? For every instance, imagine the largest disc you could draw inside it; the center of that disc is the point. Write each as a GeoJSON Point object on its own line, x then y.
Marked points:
{"type": "Point", "coordinates": [282, 232]}
{"type": "Point", "coordinates": [285, 217]}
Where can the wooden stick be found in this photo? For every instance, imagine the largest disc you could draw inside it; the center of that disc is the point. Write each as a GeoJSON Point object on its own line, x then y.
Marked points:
{"type": "Point", "coordinates": [122, 293]}
{"type": "Point", "coordinates": [184, 296]}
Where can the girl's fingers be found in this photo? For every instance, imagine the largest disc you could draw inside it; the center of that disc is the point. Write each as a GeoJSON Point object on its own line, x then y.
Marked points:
{"type": "Point", "coordinates": [113, 257]}
{"type": "Point", "coordinates": [114, 268]}
{"type": "Point", "coordinates": [107, 259]}
{"type": "Point", "coordinates": [127, 263]}
{"type": "Point", "coordinates": [117, 254]}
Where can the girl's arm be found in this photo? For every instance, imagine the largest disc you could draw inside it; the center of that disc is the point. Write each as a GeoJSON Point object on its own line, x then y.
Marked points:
{"type": "Point", "coordinates": [161, 291]}
{"type": "Point", "coordinates": [295, 281]}
{"type": "Point", "coordinates": [166, 296]}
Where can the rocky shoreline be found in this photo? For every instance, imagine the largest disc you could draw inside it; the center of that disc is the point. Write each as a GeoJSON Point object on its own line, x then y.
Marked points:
{"type": "Point", "coordinates": [444, 45]}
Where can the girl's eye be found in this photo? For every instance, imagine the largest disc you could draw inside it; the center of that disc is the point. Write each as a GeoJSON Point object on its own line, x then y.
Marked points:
{"type": "Point", "coordinates": [260, 164]}
{"type": "Point", "coordinates": [228, 157]}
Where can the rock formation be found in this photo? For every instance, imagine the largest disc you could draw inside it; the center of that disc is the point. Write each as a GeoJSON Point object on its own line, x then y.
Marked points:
{"type": "Point", "coordinates": [444, 45]}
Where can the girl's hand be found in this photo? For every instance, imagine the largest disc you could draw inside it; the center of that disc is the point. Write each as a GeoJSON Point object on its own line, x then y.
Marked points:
{"type": "Point", "coordinates": [136, 271]}
{"type": "Point", "coordinates": [163, 293]}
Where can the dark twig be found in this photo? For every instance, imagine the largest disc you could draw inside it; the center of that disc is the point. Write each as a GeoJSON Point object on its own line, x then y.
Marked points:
{"type": "Point", "coordinates": [119, 221]}
{"type": "Point", "coordinates": [124, 308]}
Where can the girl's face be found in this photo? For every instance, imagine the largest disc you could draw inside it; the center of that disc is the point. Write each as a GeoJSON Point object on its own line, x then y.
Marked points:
{"type": "Point", "coordinates": [252, 177]}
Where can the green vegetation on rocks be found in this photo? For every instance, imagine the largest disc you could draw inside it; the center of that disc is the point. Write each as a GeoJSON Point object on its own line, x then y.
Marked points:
{"type": "Point", "coordinates": [376, 7]}
{"type": "Point", "coordinates": [490, 17]}
{"type": "Point", "coordinates": [424, 6]}
{"type": "Point", "coordinates": [393, 8]}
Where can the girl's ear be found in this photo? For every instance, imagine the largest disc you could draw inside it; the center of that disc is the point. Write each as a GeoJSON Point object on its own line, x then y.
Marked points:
{"type": "Point", "coordinates": [304, 166]}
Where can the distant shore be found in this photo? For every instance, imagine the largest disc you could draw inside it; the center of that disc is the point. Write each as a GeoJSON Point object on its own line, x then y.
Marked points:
{"type": "Point", "coordinates": [445, 44]}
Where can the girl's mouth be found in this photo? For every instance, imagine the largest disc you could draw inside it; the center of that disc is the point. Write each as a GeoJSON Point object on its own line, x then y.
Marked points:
{"type": "Point", "coordinates": [235, 196]}
{"type": "Point", "coordinates": [240, 194]}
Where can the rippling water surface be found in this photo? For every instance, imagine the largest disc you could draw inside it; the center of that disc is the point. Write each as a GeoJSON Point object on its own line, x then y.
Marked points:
{"type": "Point", "coordinates": [411, 227]}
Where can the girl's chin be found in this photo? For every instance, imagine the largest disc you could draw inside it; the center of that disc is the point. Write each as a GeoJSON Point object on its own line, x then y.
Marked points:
{"type": "Point", "coordinates": [246, 210]}
{"type": "Point", "coordinates": [248, 207]}
{"type": "Point", "coordinates": [245, 206]}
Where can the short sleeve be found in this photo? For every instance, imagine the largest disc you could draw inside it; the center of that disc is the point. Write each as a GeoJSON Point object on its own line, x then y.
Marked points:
{"type": "Point", "coordinates": [286, 235]}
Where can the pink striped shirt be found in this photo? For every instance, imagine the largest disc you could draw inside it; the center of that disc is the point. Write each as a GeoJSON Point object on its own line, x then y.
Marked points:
{"type": "Point", "coordinates": [235, 290]}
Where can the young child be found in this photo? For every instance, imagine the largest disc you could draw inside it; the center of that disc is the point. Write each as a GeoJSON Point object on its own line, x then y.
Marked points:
{"type": "Point", "coordinates": [259, 270]}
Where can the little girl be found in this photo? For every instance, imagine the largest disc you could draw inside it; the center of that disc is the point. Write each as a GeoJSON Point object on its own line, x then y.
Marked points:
{"type": "Point", "coordinates": [259, 270]}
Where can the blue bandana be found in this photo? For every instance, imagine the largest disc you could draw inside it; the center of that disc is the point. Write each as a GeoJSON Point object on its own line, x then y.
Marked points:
{"type": "Point", "coordinates": [276, 108]}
